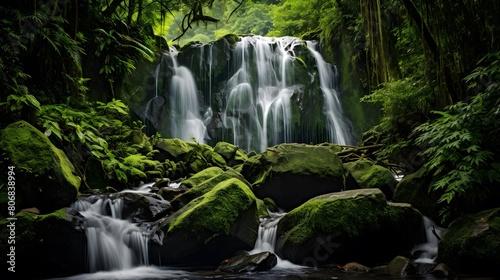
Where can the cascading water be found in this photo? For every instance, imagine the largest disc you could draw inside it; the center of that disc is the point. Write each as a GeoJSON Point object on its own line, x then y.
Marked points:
{"type": "Point", "coordinates": [113, 243]}
{"type": "Point", "coordinates": [337, 128]}
{"type": "Point", "coordinates": [255, 93]}
{"type": "Point", "coordinates": [427, 251]}
{"type": "Point", "coordinates": [266, 239]}
{"type": "Point", "coordinates": [116, 247]}
{"type": "Point", "coordinates": [185, 120]}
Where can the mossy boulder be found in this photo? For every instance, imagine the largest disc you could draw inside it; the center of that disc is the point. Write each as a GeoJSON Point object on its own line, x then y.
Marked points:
{"type": "Point", "coordinates": [50, 245]}
{"type": "Point", "coordinates": [471, 244]}
{"type": "Point", "coordinates": [345, 226]}
{"type": "Point", "coordinates": [210, 228]}
{"type": "Point", "coordinates": [231, 153]}
{"type": "Point", "coordinates": [194, 156]}
{"type": "Point", "coordinates": [44, 176]}
{"type": "Point", "coordinates": [370, 175]}
{"type": "Point", "coordinates": [203, 182]}
{"type": "Point", "coordinates": [414, 189]}
{"type": "Point", "coordinates": [291, 174]}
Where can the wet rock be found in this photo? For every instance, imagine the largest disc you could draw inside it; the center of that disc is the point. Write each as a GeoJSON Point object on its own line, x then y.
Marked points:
{"type": "Point", "coordinates": [339, 227]}
{"type": "Point", "coordinates": [290, 174]}
{"type": "Point", "coordinates": [169, 193]}
{"type": "Point", "coordinates": [209, 228]}
{"type": "Point", "coordinates": [140, 207]}
{"type": "Point", "coordinates": [442, 270]}
{"type": "Point", "coordinates": [399, 266]}
{"type": "Point", "coordinates": [245, 263]}
{"type": "Point", "coordinates": [355, 267]}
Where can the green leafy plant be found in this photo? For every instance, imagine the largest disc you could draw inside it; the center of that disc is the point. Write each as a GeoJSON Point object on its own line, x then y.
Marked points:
{"type": "Point", "coordinates": [463, 154]}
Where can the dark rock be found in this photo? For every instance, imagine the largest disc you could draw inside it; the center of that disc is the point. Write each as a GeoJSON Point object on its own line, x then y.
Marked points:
{"type": "Point", "coordinates": [350, 225]}
{"type": "Point", "coordinates": [50, 245]}
{"type": "Point", "coordinates": [471, 244]}
{"type": "Point", "coordinates": [414, 189]}
{"type": "Point", "coordinates": [140, 207]}
{"type": "Point", "coordinates": [169, 193]}
{"type": "Point", "coordinates": [258, 262]}
{"type": "Point", "coordinates": [443, 271]}
{"type": "Point", "coordinates": [290, 174]}
{"type": "Point", "coordinates": [399, 266]}
{"type": "Point", "coordinates": [355, 267]}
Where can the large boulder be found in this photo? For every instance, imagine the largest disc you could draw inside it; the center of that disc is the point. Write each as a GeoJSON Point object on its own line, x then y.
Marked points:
{"type": "Point", "coordinates": [471, 244]}
{"type": "Point", "coordinates": [44, 176]}
{"type": "Point", "coordinates": [231, 153]}
{"type": "Point", "coordinates": [210, 228]}
{"type": "Point", "coordinates": [414, 189]}
{"type": "Point", "coordinates": [291, 174]}
{"type": "Point", "coordinates": [369, 175]}
{"type": "Point", "coordinates": [350, 225]}
{"type": "Point", "coordinates": [50, 245]}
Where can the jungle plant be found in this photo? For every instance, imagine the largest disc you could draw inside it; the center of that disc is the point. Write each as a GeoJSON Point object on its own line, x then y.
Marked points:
{"type": "Point", "coordinates": [463, 153]}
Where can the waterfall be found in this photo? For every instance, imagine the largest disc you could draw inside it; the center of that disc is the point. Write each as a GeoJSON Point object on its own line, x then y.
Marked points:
{"type": "Point", "coordinates": [427, 251]}
{"type": "Point", "coordinates": [266, 239]}
{"type": "Point", "coordinates": [256, 93]}
{"type": "Point", "coordinates": [113, 243]}
{"type": "Point", "coordinates": [337, 128]}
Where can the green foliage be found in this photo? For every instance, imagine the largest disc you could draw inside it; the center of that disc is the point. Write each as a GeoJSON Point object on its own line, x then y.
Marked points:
{"type": "Point", "coordinates": [99, 131]}
{"type": "Point", "coordinates": [463, 153]}
{"type": "Point", "coordinates": [296, 17]}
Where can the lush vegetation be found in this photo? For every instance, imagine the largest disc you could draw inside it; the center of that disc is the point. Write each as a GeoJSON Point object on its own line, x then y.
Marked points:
{"type": "Point", "coordinates": [432, 66]}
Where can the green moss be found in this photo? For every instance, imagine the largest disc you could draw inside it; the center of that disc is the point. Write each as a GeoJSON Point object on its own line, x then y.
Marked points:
{"type": "Point", "coordinates": [317, 160]}
{"type": "Point", "coordinates": [261, 208]}
{"type": "Point", "coordinates": [213, 213]}
{"type": "Point", "coordinates": [204, 181]}
{"type": "Point", "coordinates": [45, 176]}
{"type": "Point", "coordinates": [471, 243]}
{"type": "Point", "coordinates": [369, 175]}
{"type": "Point", "coordinates": [349, 213]}
{"type": "Point", "coordinates": [202, 176]}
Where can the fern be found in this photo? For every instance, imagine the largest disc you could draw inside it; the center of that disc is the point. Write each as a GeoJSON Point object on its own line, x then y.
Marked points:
{"type": "Point", "coordinates": [463, 153]}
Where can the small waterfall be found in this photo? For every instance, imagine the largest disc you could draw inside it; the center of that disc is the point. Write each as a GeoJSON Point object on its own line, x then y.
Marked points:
{"type": "Point", "coordinates": [185, 120]}
{"type": "Point", "coordinates": [266, 239]}
{"type": "Point", "coordinates": [427, 251]}
{"type": "Point", "coordinates": [113, 243]}
{"type": "Point", "coordinates": [337, 128]}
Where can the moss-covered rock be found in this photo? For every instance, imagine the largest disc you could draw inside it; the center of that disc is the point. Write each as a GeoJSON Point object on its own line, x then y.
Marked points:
{"type": "Point", "coordinates": [350, 225]}
{"type": "Point", "coordinates": [369, 175]}
{"type": "Point", "coordinates": [414, 189]}
{"type": "Point", "coordinates": [211, 227]}
{"type": "Point", "coordinates": [195, 157]}
{"type": "Point", "coordinates": [231, 153]}
{"type": "Point", "coordinates": [203, 182]}
{"type": "Point", "coordinates": [44, 176]}
{"type": "Point", "coordinates": [50, 245]}
{"type": "Point", "coordinates": [471, 244]}
{"type": "Point", "coordinates": [291, 174]}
